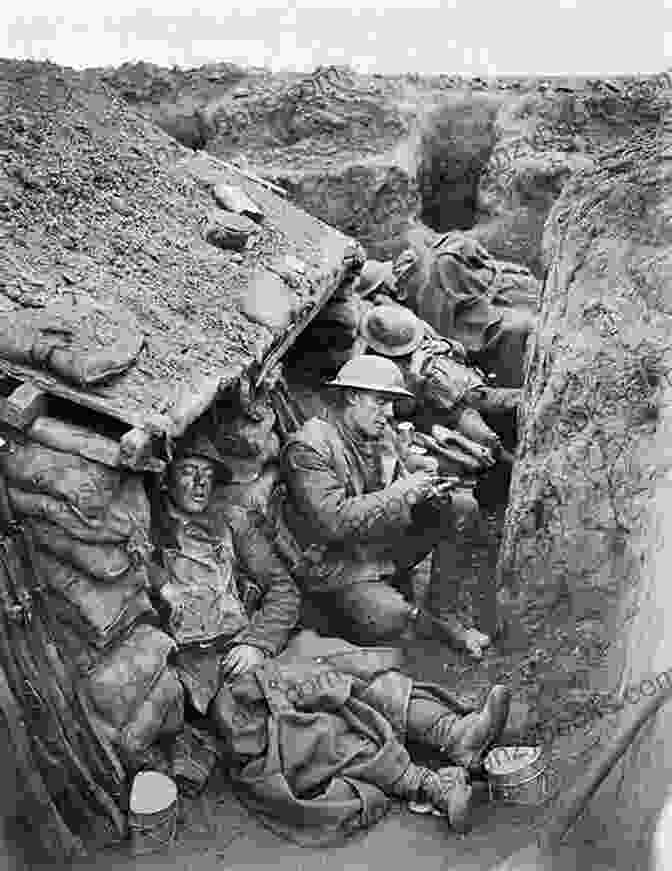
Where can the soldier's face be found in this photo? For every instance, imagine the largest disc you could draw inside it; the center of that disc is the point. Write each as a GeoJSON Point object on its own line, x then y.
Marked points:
{"type": "Point", "coordinates": [370, 413]}
{"type": "Point", "coordinates": [192, 484]}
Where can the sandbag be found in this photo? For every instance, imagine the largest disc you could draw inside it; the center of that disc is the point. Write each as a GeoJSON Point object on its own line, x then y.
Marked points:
{"type": "Point", "coordinates": [71, 439]}
{"type": "Point", "coordinates": [106, 562]}
{"type": "Point", "coordinates": [98, 612]}
{"type": "Point", "coordinates": [78, 623]}
{"type": "Point", "coordinates": [230, 232]}
{"type": "Point", "coordinates": [123, 680]}
{"type": "Point", "coordinates": [82, 340]}
{"type": "Point", "coordinates": [89, 486]}
{"type": "Point", "coordinates": [128, 513]}
{"type": "Point", "coordinates": [161, 714]}
{"type": "Point", "coordinates": [268, 301]}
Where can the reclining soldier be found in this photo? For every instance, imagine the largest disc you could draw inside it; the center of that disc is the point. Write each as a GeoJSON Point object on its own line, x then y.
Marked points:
{"type": "Point", "coordinates": [441, 284]}
{"type": "Point", "coordinates": [355, 521]}
{"type": "Point", "coordinates": [435, 284]}
{"type": "Point", "coordinates": [445, 389]}
{"type": "Point", "coordinates": [314, 728]}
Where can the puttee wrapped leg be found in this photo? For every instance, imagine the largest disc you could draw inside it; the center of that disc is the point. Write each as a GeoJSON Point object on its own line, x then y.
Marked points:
{"type": "Point", "coordinates": [447, 789]}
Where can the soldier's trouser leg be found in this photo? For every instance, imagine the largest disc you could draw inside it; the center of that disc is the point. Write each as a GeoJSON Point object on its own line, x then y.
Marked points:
{"type": "Point", "coordinates": [452, 566]}
{"type": "Point", "coordinates": [374, 612]}
{"type": "Point", "coordinates": [447, 789]}
{"type": "Point", "coordinates": [464, 739]}
{"type": "Point", "coordinates": [504, 353]}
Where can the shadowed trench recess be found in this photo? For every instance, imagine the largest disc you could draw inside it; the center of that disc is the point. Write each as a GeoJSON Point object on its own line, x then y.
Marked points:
{"type": "Point", "coordinates": [454, 150]}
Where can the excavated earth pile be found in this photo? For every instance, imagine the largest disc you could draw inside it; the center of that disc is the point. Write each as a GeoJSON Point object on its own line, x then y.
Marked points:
{"type": "Point", "coordinates": [368, 154]}
{"type": "Point", "coordinates": [584, 538]}
{"type": "Point", "coordinates": [338, 142]}
{"type": "Point", "coordinates": [542, 136]}
{"type": "Point", "coordinates": [329, 138]}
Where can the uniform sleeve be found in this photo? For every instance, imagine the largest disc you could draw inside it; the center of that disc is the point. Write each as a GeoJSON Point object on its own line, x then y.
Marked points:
{"type": "Point", "coordinates": [278, 613]}
{"type": "Point", "coordinates": [462, 290]}
{"type": "Point", "coordinates": [319, 495]}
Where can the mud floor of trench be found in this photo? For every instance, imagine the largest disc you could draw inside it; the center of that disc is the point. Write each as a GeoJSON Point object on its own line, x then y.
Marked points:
{"type": "Point", "coordinates": [552, 703]}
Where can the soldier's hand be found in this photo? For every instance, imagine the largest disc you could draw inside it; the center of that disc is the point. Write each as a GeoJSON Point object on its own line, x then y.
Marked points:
{"type": "Point", "coordinates": [424, 481]}
{"type": "Point", "coordinates": [241, 659]}
{"type": "Point", "coordinates": [444, 487]}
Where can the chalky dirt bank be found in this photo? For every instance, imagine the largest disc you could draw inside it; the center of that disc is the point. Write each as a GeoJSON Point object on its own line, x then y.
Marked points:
{"type": "Point", "coordinates": [586, 539]}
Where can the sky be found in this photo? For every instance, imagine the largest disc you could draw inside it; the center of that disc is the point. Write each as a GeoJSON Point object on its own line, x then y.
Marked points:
{"type": "Point", "coordinates": [468, 37]}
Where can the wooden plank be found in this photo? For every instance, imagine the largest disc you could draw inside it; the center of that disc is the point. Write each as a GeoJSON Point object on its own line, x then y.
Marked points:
{"type": "Point", "coordinates": [23, 405]}
{"type": "Point", "coordinates": [56, 388]}
{"type": "Point", "coordinates": [257, 179]}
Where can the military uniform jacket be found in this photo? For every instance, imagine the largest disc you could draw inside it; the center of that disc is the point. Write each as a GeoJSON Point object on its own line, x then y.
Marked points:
{"type": "Point", "coordinates": [341, 510]}
{"type": "Point", "coordinates": [468, 291]}
{"type": "Point", "coordinates": [222, 586]}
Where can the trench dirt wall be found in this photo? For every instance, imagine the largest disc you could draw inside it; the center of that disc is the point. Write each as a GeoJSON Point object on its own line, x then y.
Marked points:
{"type": "Point", "coordinates": [591, 494]}
{"type": "Point", "coordinates": [368, 154]}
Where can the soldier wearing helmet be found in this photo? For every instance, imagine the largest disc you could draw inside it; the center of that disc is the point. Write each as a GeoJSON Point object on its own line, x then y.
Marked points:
{"type": "Point", "coordinates": [356, 521]}
{"type": "Point", "coordinates": [436, 373]}
{"type": "Point", "coordinates": [466, 295]}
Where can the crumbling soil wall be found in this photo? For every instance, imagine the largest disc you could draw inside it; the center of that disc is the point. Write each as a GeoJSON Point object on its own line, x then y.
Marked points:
{"type": "Point", "coordinates": [341, 144]}
{"type": "Point", "coordinates": [590, 495]}
{"type": "Point", "coordinates": [543, 134]}
{"type": "Point", "coordinates": [368, 154]}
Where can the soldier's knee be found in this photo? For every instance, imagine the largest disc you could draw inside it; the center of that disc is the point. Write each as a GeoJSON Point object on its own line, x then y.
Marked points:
{"type": "Point", "coordinates": [379, 613]}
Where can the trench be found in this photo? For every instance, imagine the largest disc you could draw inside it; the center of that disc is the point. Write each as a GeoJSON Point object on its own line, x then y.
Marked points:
{"type": "Point", "coordinates": [455, 147]}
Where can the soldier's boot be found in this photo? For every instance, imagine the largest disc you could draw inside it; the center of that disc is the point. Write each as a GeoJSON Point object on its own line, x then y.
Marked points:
{"type": "Point", "coordinates": [466, 740]}
{"type": "Point", "coordinates": [448, 790]}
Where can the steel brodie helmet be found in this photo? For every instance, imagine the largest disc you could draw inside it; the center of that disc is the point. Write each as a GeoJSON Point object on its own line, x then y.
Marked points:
{"type": "Point", "coordinates": [376, 374]}
{"type": "Point", "coordinates": [392, 330]}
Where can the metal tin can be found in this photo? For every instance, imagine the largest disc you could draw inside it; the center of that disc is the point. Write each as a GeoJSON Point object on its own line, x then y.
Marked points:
{"type": "Point", "coordinates": [405, 431]}
{"type": "Point", "coordinates": [152, 819]}
{"type": "Point", "coordinates": [518, 775]}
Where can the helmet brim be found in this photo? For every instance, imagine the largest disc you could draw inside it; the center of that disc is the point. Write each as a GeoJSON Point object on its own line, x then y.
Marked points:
{"type": "Point", "coordinates": [393, 392]}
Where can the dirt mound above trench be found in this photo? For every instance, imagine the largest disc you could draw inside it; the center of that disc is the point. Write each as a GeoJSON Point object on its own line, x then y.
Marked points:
{"type": "Point", "coordinates": [368, 154]}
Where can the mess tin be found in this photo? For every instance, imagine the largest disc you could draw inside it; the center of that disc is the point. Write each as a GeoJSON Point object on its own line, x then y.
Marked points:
{"type": "Point", "coordinates": [518, 775]}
